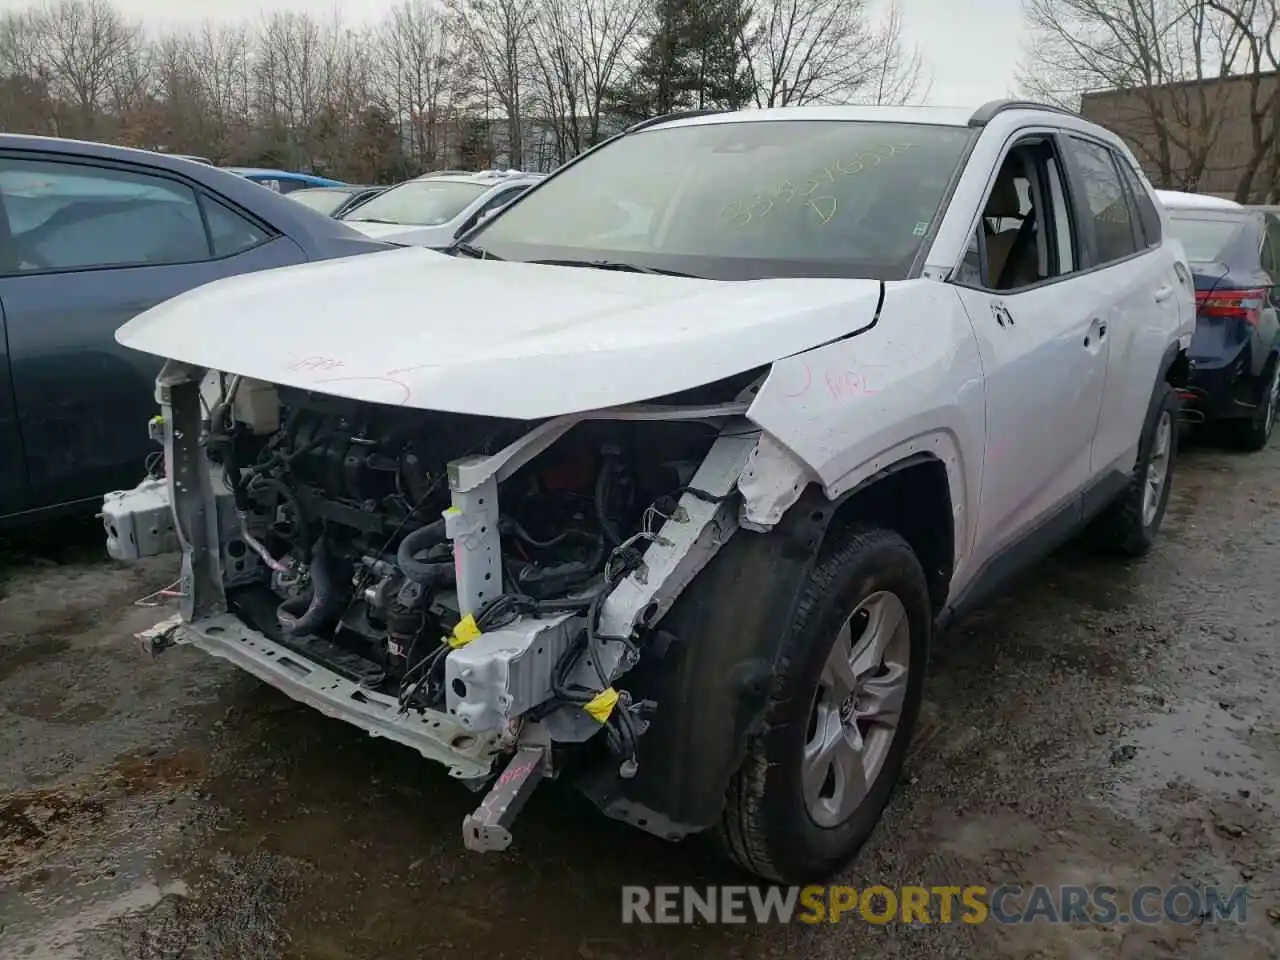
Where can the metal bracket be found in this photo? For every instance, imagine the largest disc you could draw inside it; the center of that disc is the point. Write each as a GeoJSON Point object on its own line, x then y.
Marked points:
{"type": "Point", "coordinates": [488, 828]}
{"type": "Point", "coordinates": [158, 638]}
{"type": "Point", "coordinates": [472, 524]}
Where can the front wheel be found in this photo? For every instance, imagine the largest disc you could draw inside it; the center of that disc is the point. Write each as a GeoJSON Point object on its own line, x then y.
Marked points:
{"type": "Point", "coordinates": [845, 696]}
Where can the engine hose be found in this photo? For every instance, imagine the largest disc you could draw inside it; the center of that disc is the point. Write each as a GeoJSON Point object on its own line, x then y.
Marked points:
{"type": "Point", "coordinates": [307, 614]}
{"type": "Point", "coordinates": [287, 495]}
{"type": "Point", "coordinates": [423, 571]}
{"type": "Point", "coordinates": [258, 547]}
{"type": "Point", "coordinates": [604, 485]}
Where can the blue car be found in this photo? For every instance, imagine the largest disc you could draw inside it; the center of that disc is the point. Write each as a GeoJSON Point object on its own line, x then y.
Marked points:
{"type": "Point", "coordinates": [91, 235]}
{"type": "Point", "coordinates": [1234, 254]}
{"type": "Point", "coordinates": [283, 181]}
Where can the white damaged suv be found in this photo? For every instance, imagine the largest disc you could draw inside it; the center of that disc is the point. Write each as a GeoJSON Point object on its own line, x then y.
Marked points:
{"type": "Point", "coordinates": [660, 481]}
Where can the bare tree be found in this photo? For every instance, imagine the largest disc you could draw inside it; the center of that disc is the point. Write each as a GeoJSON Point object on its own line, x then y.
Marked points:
{"type": "Point", "coordinates": [418, 56]}
{"type": "Point", "coordinates": [25, 102]}
{"type": "Point", "coordinates": [498, 36]}
{"type": "Point", "coordinates": [1159, 52]}
{"type": "Point", "coordinates": [1255, 23]}
{"type": "Point", "coordinates": [898, 74]}
{"type": "Point", "coordinates": [826, 51]}
{"type": "Point", "coordinates": [288, 65]}
{"type": "Point", "coordinates": [219, 61]}
{"type": "Point", "coordinates": [431, 82]}
{"type": "Point", "coordinates": [83, 45]}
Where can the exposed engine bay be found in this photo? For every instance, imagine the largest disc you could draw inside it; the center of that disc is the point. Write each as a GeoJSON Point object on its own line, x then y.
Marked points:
{"type": "Point", "coordinates": [365, 557]}
{"type": "Point", "coordinates": [343, 505]}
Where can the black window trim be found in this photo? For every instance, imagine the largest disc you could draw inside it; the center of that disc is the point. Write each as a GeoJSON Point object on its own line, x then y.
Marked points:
{"type": "Point", "coordinates": [198, 192]}
{"type": "Point", "coordinates": [1135, 181]}
{"type": "Point", "coordinates": [1083, 212]}
{"type": "Point", "coordinates": [1136, 225]}
{"type": "Point", "coordinates": [1050, 137]}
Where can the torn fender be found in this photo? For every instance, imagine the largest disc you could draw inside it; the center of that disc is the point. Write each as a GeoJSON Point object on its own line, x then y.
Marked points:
{"type": "Point", "coordinates": [712, 683]}
{"type": "Point", "coordinates": [849, 410]}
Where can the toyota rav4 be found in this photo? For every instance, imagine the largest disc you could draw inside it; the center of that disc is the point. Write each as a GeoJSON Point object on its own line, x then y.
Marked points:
{"type": "Point", "coordinates": [660, 481]}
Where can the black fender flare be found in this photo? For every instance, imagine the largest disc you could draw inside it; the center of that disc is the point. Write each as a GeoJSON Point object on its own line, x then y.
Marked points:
{"type": "Point", "coordinates": [1174, 354]}
{"type": "Point", "coordinates": [712, 684]}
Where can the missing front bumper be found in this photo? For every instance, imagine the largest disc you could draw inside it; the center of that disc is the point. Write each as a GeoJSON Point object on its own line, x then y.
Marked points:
{"type": "Point", "coordinates": [468, 755]}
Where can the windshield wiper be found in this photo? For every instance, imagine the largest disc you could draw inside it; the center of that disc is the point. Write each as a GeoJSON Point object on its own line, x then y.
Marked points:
{"type": "Point", "coordinates": [471, 250]}
{"type": "Point", "coordinates": [615, 265]}
{"type": "Point", "coordinates": [372, 220]}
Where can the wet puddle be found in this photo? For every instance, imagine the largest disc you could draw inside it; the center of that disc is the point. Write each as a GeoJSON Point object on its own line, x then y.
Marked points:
{"type": "Point", "coordinates": [1207, 746]}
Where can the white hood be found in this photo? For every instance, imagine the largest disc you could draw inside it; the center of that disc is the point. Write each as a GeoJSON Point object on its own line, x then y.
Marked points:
{"type": "Point", "coordinates": [436, 237]}
{"type": "Point", "coordinates": [422, 329]}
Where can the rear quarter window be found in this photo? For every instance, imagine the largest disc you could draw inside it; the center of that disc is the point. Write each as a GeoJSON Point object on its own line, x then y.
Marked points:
{"type": "Point", "coordinates": [1204, 238]}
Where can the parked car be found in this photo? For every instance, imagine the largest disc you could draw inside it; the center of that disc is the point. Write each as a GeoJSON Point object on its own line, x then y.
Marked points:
{"type": "Point", "coordinates": [194, 158]}
{"type": "Point", "coordinates": [434, 211]}
{"type": "Point", "coordinates": [675, 515]}
{"type": "Point", "coordinates": [283, 181]}
{"type": "Point", "coordinates": [335, 201]}
{"type": "Point", "coordinates": [89, 236]}
{"type": "Point", "coordinates": [1234, 253]}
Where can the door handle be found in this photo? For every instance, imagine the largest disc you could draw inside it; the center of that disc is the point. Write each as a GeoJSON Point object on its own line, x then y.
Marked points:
{"type": "Point", "coordinates": [1164, 293]}
{"type": "Point", "coordinates": [1098, 327]}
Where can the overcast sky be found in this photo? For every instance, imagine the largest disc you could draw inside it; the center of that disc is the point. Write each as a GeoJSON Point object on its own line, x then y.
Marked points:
{"type": "Point", "coordinates": [970, 46]}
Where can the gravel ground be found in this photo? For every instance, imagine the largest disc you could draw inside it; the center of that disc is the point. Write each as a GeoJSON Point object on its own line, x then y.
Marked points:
{"type": "Point", "coordinates": [1101, 724]}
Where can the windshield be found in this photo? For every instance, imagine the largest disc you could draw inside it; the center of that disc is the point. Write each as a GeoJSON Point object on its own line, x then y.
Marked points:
{"type": "Point", "coordinates": [743, 200]}
{"type": "Point", "coordinates": [324, 201]}
{"type": "Point", "coordinates": [1204, 238]}
{"type": "Point", "coordinates": [420, 203]}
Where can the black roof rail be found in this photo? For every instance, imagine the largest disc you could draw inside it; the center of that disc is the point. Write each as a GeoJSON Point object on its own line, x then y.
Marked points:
{"type": "Point", "coordinates": [666, 117]}
{"type": "Point", "coordinates": [987, 112]}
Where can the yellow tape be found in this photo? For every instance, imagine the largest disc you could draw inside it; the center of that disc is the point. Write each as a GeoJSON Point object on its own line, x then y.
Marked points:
{"type": "Point", "coordinates": [602, 704]}
{"type": "Point", "coordinates": [466, 631]}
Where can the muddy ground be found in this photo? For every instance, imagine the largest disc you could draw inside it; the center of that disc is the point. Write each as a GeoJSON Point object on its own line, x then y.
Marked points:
{"type": "Point", "coordinates": [1102, 724]}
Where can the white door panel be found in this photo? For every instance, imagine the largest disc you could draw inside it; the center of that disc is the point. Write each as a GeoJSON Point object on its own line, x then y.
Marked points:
{"type": "Point", "coordinates": [1142, 296]}
{"type": "Point", "coordinates": [1044, 395]}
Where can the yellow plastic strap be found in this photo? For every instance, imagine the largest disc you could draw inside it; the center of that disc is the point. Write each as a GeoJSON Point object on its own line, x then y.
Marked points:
{"type": "Point", "coordinates": [466, 631]}
{"type": "Point", "coordinates": [602, 704]}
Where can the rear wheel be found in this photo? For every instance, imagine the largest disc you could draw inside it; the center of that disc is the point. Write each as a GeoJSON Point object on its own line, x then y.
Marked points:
{"type": "Point", "coordinates": [845, 698]}
{"type": "Point", "coordinates": [1129, 526]}
{"type": "Point", "coordinates": [1256, 433]}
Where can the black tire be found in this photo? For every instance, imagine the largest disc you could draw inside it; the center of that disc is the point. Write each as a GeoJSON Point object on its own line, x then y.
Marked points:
{"type": "Point", "coordinates": [1121, 529]}
{"type": "Point", "coordinates": [766, 826]}
{"type": "Point", "coordinates": [1254, 434]}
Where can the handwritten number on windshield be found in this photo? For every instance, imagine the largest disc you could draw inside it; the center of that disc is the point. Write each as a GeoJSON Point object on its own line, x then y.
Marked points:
{"type": "Point", "coordinates": [738, 213]}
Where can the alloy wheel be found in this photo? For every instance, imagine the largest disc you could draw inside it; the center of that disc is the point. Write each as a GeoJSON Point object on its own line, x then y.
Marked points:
{"type": "Point", "coordinates": [1157, 468]}
{"type": "Point", "coordinates": [857, 708]}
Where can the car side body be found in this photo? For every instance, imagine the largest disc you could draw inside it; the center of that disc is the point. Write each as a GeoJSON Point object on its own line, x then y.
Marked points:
{"type": "Point", "coordinates": [335, 201]}
{"type": "Point", "coordinates": [283, 181]}
{"type": "Point", "coordinates": [1234, 253]}
{"type": "Point", "coordinates": [408, 213]}
{"type": "Point", "coordinates": [91, 235]}
{"type": "Point", "coordinates": [916, 348]}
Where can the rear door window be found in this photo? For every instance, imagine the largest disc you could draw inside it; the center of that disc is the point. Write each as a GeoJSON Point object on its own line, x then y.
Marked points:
{"type": "Point", "coordinates": [1271, 249]}
{"type": "Point", "coordinates": [70, 216]}
{"type": "Point", "coordinates": [1148, 217]}
{"type": "Point", "coordinates": [1205, 238]}
{"type": "Point", "coordinates": [1106, 200]}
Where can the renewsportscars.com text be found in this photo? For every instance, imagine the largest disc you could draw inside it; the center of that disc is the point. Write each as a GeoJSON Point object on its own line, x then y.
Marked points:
{"type": "Point", "coordinates": [972, 904]}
